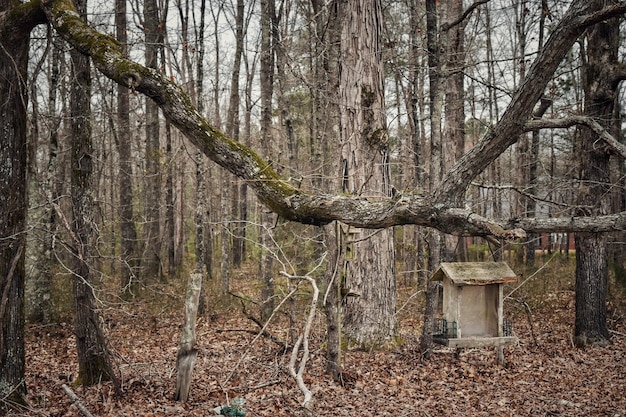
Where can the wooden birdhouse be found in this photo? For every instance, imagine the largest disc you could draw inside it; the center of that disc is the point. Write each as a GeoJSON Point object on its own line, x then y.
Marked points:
{"type": "Point", "coordinates": [471, 311]}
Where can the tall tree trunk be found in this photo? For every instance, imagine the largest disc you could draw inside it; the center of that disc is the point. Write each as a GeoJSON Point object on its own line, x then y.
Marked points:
{"type": "Point", "coordinates": [128, 231]}
{"type": "Point", "coordinates": [599, 56]}
{"type": "Point", "coordinates": [204, 252]}
{"type": "Point", "coordinates": [39, 301]}
{"type": "Point", "coordinates": [267, 91]}
{"type": "Point", "coordinates": [434, 175]}
{"type": "Point", "coordinates": [13, 206]}
{"type": "Point", "coordinates": [170, 203]}
{"type": "Point", "coordinates": [325, 36]}
{"type": "Point", "coordinates": [454, 129]}
{"type": "Point", "coordinates": [93, 356]}
{"type": "Point", "coordinates": [232, 129]}
{"type": "Point", "coordinates": [151, 261]}
{"type": "Point", "coordinates": [370, 319]}
{"type": "Point", "coordinates": [533, 180]}
{"type": "Point", "coordinates": [225, 234]}
{"type": "Point", "coordinates": [523, 145]}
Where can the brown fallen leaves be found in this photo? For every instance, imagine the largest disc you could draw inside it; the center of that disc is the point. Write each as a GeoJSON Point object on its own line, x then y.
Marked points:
{"type": "Point", "coordinates": [551, 379]}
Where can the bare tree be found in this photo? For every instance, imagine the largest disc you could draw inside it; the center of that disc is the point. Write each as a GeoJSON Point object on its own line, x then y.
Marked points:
{"type": "Point", "coordinates": [128, 231]}
{"type": "Point", "coordinates": [151, 260]}
{"type": "Point", "coordinates": [266, 68]}
{"type": "Point", "coordinates": [233, 129]}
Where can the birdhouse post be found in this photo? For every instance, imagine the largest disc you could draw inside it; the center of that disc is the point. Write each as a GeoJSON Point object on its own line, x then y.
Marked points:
{"type": "Point", "coordinates": [472, 311]}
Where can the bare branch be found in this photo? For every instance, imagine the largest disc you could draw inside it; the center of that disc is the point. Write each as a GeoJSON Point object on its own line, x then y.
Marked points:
{"type": "Point", "coordinates": [607, 223]}
{"type": "Point", "coordinates": [79, 404]}
{"type": "Point", "coordinates": [616, 9]}
{"type": "Point", "coordinates": [536, 124]}
{"type": "Point", "coordinates": [464, 16]}
{"type": "Point", "coordinates": [580, 14]}
{"type": "Point", "coordinates": [297, 205]}
{"type": "Point", "coordinates": [303, 341]}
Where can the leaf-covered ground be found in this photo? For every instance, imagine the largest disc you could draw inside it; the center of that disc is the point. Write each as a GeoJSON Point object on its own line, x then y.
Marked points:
{"type": "Point", "coordinates": [545, 376]}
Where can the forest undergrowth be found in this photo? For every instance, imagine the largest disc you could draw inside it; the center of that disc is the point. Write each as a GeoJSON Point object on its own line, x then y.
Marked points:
{"type": "Point", "coordinates": [545, 374]}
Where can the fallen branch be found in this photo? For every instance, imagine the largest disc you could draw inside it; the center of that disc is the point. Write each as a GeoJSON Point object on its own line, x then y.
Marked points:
{"type": "Point", "coordinates": [76, 401]}
{"type": "Point", "coordinates": [303, 340]}
{"type": "Point", "coordinates": [617, 333]}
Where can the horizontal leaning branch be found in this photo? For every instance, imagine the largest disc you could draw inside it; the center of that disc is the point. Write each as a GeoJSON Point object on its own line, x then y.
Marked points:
{"type": "Point", "coordinates": [618, 148]}
{"type": "Point", "coordinates": [284, 199]}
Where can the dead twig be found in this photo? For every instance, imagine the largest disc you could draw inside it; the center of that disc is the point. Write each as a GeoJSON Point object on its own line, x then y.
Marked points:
{"type": "Point", "coordinates": [303, 341]}
{"type": "Point", "coordinates": [528, 315]}
{"type": "Point", "coordinates": [617, 333]}
{"type": "Point", "coordinates": [76, 401]}
{"type": "Point", "coordinates": [271, 337]}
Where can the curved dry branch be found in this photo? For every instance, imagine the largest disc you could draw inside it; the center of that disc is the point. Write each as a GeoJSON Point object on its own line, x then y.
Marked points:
{"type": "Point", "coordinates": [280, 196]}
{"type": "Point", "coordinates": [297, 205]}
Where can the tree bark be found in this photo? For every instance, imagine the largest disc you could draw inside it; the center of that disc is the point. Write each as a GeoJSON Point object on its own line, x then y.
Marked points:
{"type": "Point", "coordinates": [128, 231]}
{"type": "Point", "coordinates": [267, 90]}
{"type": "Point", "coordinates": [151, 268]}
{"type": "Point", "coordinates": [599, 54]}
{"type": "Point", "coordinates": [590, 327]}
{"type": "Point", "coordinates": [14, 38]}
{"type": "Point", "coordinates": [370, 319]}
{"type": "Point", "coordinates": [232, 129]}
{"type": "Point", "coordinates": [187, 352]}
{"type": "Point", "coordinates": [204, 243]}
{"type": "Point", "coordinates": [93, 356]}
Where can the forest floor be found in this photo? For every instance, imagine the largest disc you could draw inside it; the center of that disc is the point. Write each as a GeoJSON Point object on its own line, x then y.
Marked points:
{"type": "Point", "coordinates": [545, 375]}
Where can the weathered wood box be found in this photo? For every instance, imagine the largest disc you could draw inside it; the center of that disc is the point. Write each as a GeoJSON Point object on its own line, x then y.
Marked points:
{"type": "Point", "coordinates": [471, 314]}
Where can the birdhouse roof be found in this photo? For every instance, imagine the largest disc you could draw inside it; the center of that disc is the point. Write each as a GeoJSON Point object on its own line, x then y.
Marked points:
{"type": "Point", "coordinates": [474, 273]}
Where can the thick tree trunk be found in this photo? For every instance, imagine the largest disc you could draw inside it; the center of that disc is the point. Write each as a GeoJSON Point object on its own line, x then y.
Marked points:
{"type": "Point", "coordinates": [591, 289]}
{"type": "Point", "coordinates": [370, 319]}
{"type": "Point", "coordinates": [93, 356]}
{"type": "Point", "coordinates": [599, 55]}
{"type": "Point", "coordinates": [13, 206]}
